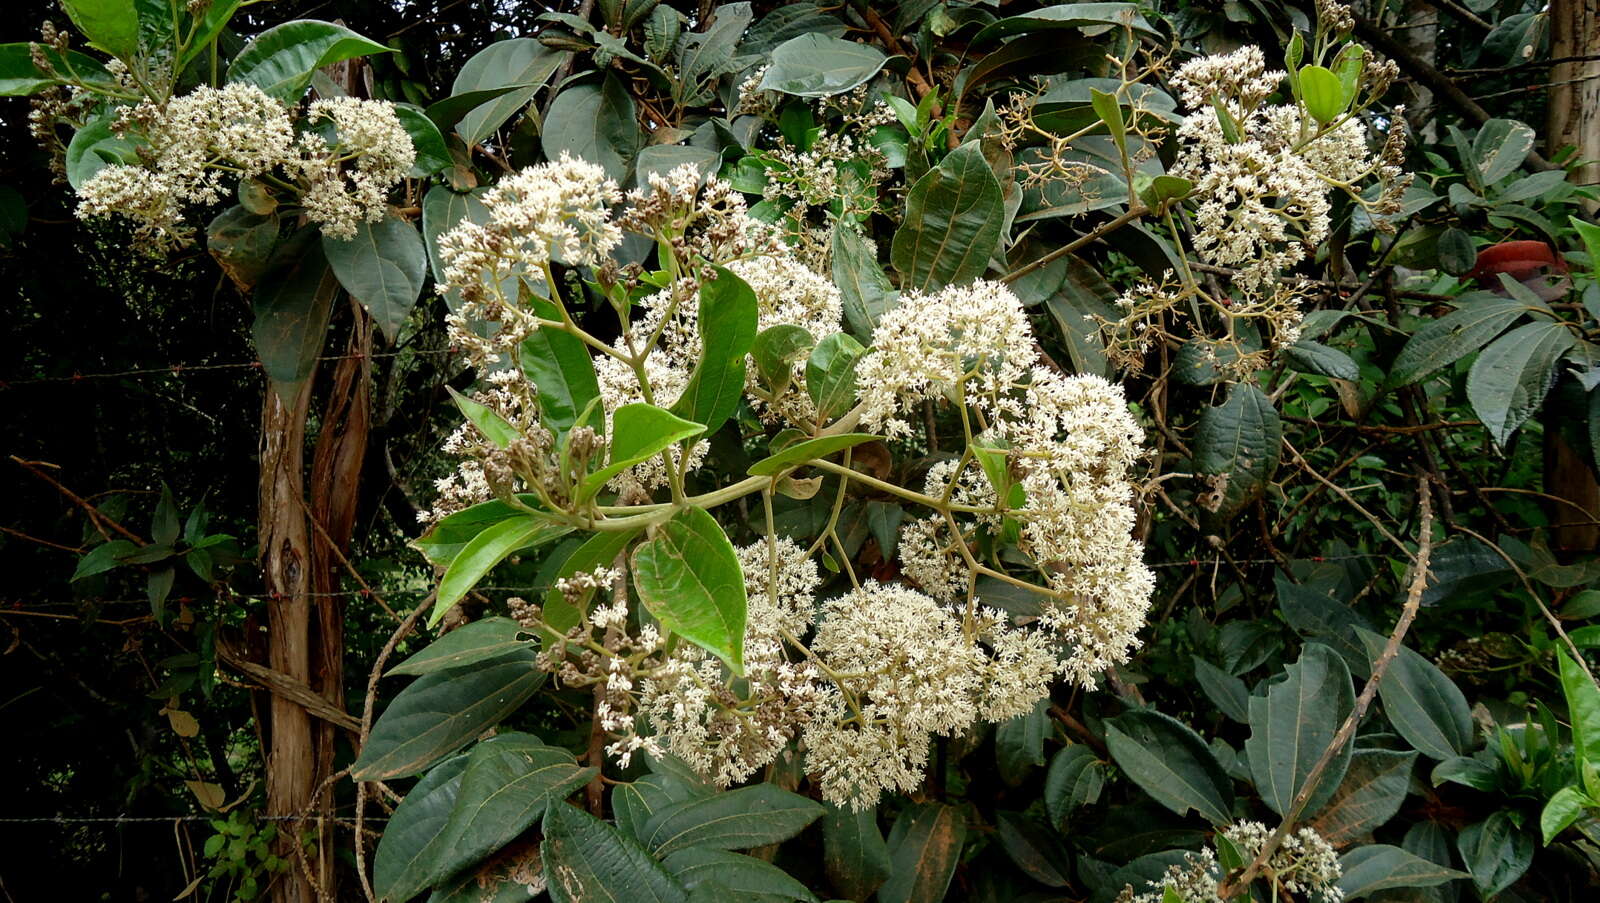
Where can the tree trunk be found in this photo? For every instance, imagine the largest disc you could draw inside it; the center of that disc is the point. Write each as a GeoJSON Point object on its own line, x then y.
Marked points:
{"type": "Point", "coordinates": [1573, 119]}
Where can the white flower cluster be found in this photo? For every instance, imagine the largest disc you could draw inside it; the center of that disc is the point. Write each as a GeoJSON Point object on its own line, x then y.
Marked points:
{"type": "Point", "coordinates": [1305, 865]}
{"type": "Point", "coordinates": [194, 146]}
{"type": "Point", "coordinates": [1070, 442]}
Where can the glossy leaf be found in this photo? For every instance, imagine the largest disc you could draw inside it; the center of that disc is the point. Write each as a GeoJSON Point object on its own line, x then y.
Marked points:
{"type": "Point", "coordinates": [489, 638]}
{"type": "Point", "coordinates": [411, 841]}
{"type": "Point", "coordinates": [444, 711]}
{"type": "Point", "coordinates": [689, 578]}
{"type": "Point", "coordinates": [1171, 763]}
{"type": "Point", "coordinates": [281, 60]}
{"type": "Point", "coordinates": [638, 431]}
{"type": "Point", "coordinates": [485, 551]}
{"type": "Point", "coordinates": [111, 25]}
{"type": "Point", "coordinates": [558, 363]}
{"type": "Point", "coordinates": [433, 155]}
{"type": "Point", "coordinates": [831, 375]}
{"type": "Point", "coordinates": [1322, 93]}
{"type": "Point", "coordinates": [19, 76]}
{"type": "Point", "coordinates": [807, 450]}
{"type": "Point", "coordinates": [954, 217]}
{"type": "Point", "coordinates": [1583, 708]}
{"type": "Point", "coordinates": [382, 267]}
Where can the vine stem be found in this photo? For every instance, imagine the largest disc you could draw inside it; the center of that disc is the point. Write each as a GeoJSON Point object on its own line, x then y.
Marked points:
{"type": "Point", "coordinates": [1228, 888]}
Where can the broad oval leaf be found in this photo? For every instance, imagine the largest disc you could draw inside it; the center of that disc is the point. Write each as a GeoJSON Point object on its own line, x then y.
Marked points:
{"type": "Point", "coordinates": [1379, 866]}
{"type": "Point", "coordinates": [819, 65]}
{"type": "Point", "coordinates": [444, 711]}
{"type": "Point", "coordinates": [383, 268]}
{"type": "Point", "coordinates": [734, 820]}
{"type": "Point", "coordinates": [634, 803]}
{"type": "Point", "coordinates": [281, 60]}
{"type": "Point", "coordinates": [488, 638]}
{"type": "Point", "coordinates": [519, 64]}
{"type": "Point", "coordinates": [831, 375]}
{"type": "Point", "coordinates": [1316, 358]}
{"type": "Point", "coordinates": [19, 76]}
{"type": "Point", "coordinates": [1089, 18]}
{"type": "Point", "coordinates": [432, 153]}
{"type": "Point", "coordinates": [1322, 93]}
{"type": "Point", "coordinates": [924, 849]}
{"type": "Point", "coordinates": [111, 25]}
{"type": "Point", "coordinates": [689, 577]}
{"type": "Point", "coordinates": [509, 782]}
{"type": "Point", "coordinates": [954, 217]}
{"type": "Point", "coordinates": [775, 350]}
{"type": "Point", "coordinates": [594, 122]}
{"type": "Point", "coordinates": [1497, 851]}
{"type": "Point", "coordinates": [748, 877]}
{"type": "Point", "coordinates": [586, 859]}
{"type": "Point", "coordinates": [292, 306]}
{"type": "Point", "coordinates": [1374, 786]}
{"type": "Point", "coordinates": [1075, 779]}
{"type": "Point", "coordinates": [94, 147]}
{"type": "Point", "coordinates": [1226, 692]}
{"type": "Point", "coordinates": [638, 431]}
{"type": "Point", "coordinates": [1293, 723]}
{"type": "Point", "coordinates": [1424, 705]}
{"type": "Point", "coordinates": [1238, 441]}
{"type": "Point", "coordinates": [1509, 380]}
{"type": "Point", "coordinates": [864, 288]}
{"type": "Point", "coordinates": [411, 840]}
{"type": "Point", "coordinates": [1171, 763]}
{"type": "Point", "coordinates": [1500, 147]}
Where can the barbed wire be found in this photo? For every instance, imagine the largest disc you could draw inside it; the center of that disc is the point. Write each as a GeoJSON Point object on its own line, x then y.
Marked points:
{"type": "Point", "coordinates": [181, 369]}
{"type": "Point", "coordinates": [146, 819]}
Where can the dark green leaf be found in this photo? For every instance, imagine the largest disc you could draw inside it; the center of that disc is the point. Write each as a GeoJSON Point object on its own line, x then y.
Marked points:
{"type": "Point", "coordinates": [1090, 18]}
{"type": "Point", "coordinates": [1237, 444]}
{"type": "Point", "coordinates": [444, 711]}
{"type": "Point", "coordinates": [411, 841]}
{"type": "Point", "coordinates": [864, 288]}
{"type": "Point", "coordinates": [1314, 357]}
{"type": "Point", "coordinates": [1019, 743]}
{"type": "Point", "coordinates": [775, 350]}
{"type": "Point", "coordinates": [383, 268]}
{"type": "Point", "coordinates": [93, 147]}
{"type": "Point", "coordinates": [954, 217]}
{"type": "Point", "coordinates": [1034, 849]}
{"type": "Point", "coordinates": [1293, 723]}
{"type": "Point", "coordinates": [281, 60]}
{"type": "Point", "coordinates": [519, 64]}
{"type": "Point", "coordinates": [1510, 378]}
{"type": "Point", "coordinates": [1374, 786]}
{"type": "Point", "coordinates": [432, 153]}
{"type": "Point", "coordinates": [292, 306]}
{"type": "Point", "coordinates": [924, 849]}
{"type": "Point", "coordinates": [634, 803]}
{"type": "Point", "coordinates": [598, 550]}
{"type": "Point", "coordinates": [743, 879]}
{"type": "Point", "coordinates": [242, 244]}
{"type": "Point", "coordinates": [1380, 866]}
{"type": "Point", "coordinates": [1423, 704]}
{"type": "Point", "coordinates": [1228, 693]}
{"type": "Point", "coordinates": [854, 854]}
{"type": "Point", "coordinates": [808, 450]}
{"type": "Point", "coordinates": [489, 638]}
{"type": "Point", "coordinates": [1456, 252]}
{"type": "Point", "coordinates": [19, 76]}
{"type": "Point", "coordinates": [689, 578]}
{"type": "Point", "coordinates": [587, 860]}
{"type": "Point", "coordinates": [1075, 779]}
{"type": "Point", "coordinates": [1317, 616]}
{"type": "Point", "coordinates": [594, 122]}
{"type": "Point", "coordinates": [103, 558]}
{"type": "Point", "coordinates": [1497, 851]}
{"type": "Point", "coordinates": [734, 820]}
{"type": "Point", "coordinates": [1171, 763]}
{"type": "Point", "coordinates": [1480, 317]}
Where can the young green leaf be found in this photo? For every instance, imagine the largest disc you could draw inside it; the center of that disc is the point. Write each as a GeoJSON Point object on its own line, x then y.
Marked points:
{"type": "Point", "coordinates": [728, 317]}
{"type": "Point", "coordinates": [485, 551]}
{"type": "Point", "coordinates": [638, 431]}
{"type": "Point", "coordinates": [1322, 93]}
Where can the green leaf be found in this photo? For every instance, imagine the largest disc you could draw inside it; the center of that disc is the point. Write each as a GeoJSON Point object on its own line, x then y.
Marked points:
{"type": "Point", "coordinates": [486, 550]}
{"type": "Point", "coordinates": [954, 217]}
{"type": "Point", "coordinates": [489, 638]}
{"type": "Point", "coordinates": [206, 28]}
{"type": "Point", "coordinates": [522, 65]}
{"type": "Point", "coordinates": [864, 288]}
{"type": "Point", "coordinates": [292, 306]}
{"type": "Point", "coordinates": [587, 860]}
{"type": "Point", "coordinates": [412, 839]}
{"type": "Point", "coordinates": [1348, 65]}
{"type": "Point", "coordinates": [558, 363]}
{"type": "Point", "coordinates": [93, 147]}
{"type": "Point", "coordinates": [1565, 807]}
{"type": "Point", "coordinates": [598, 550]}
{"type": "Point", "coordinates": [490, 424]}
{"type": "Point", "coordinates": [1497, 851]}
{"type": "Point", "coordinates": [1293, 723]}
{"type": "Point", "coordinates": [1033, 848]}
{"type": "Point", "coordinates": [808, 450]}
{"type": "Point", "coordinates": [635, 802]}
{"type": "Point", "coordinates": [1109, 109]}
{"type": "Point", "coordinates": [1500, 147]}
{"type": "Point", "coordinates": [924, 850]}
{"type": "Point", "coordinates": [704, 57]}
{"type": "Point", "coordinates": [509, 782]}
{"type": "Point", "coordinates": [1019, 742]}
{"type": "Point", "coordinates": [1171, 763]}
{"type": "Point", "coordinates": [594, 122]}
{"type": "Point", "coordinates": [1457, 254]}
{"type": "Point", "coordinates": [1090, 18]}
{"type": "Point", "coordinates": [383, 268]}
{"type": "Point", "coordinates": [1590, 233]}
{"type": "Point", "coordinates": [1226, 692]}
{"type": "Point", "coordinates": [1424, 706]}
{"type": "Point", "coordinates": [734, 820]}
{"type": "Point", "coordinates": [1316, 358]}
{"type": "Point", "coordinates": [1165, 189]}
{"type": "Point", "coordinates": [1509, 380]}
{"type": "Point", "coordinates": [1322, 93]}
{"type": "Point", "coordinates": [19, 76]}
{"type": "Point", "coordinates": [1075, 778]}
{"type": "Point", "coordinates": [103, 558]}
{"type": "Point", "coordinates": [445, 539]}
{"type": "Point", "coordinates": [831, 375]}
{"type": "Point", "coordinates": [660, 159]}
{"type": "Point", "coordinates": [1238, 441]}
{"type": "Point", "coordinates": [1082, 296]}
{"type": "Point", "coordinates": [242, 244]}
{"type": "Point", "coordinates": [281, 60]}
{"type": "Point", "coordinates": [164, 525]}
{"type": "Point", "coordinates": [775, 350]}
{"type": "Point", "coordinates": [1374, 786]}
{"type": "Point", "coordinates": [854, 854]}
{"type": "Point", "coordinates": [1317, 616]}
{"type": "Point", "coordinates": [1480, 317]}
{"type": "Point", "coordinates": [819, 65]}
{"type": "Point", "coordinates": [746, 877]}
{"type": "Point", "coordinates": [638, 431]}
{"type": "Point", "coordinates": [728, 315]}
{"type": "Point", "coordinates": [111, 25]}
{"type": "Point", "coordinates": [1583, 709]}
{"type": "Point", "coordinates": [689, 578]}
{"type": "Point", "coordinates": [1379, 866]}
{"type": "Point", "coordinates": [432, 153]}
{"type": "Point", "coordinates": [444, 711]}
